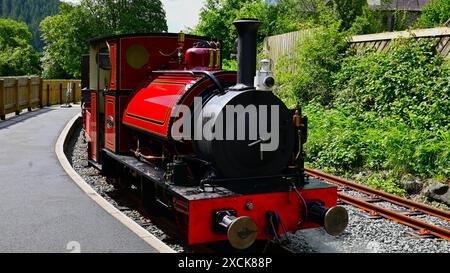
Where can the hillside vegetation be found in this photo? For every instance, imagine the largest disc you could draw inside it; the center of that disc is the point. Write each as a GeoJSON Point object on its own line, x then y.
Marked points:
{"type": "Point", "coordinates": [32, 12]}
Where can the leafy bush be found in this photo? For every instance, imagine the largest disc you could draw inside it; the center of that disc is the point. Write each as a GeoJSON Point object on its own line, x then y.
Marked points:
{"type": "Point", "coordinates": [389, 115]}
{"type": "Point", "coordinates": [366, 23]}
{"type": "Point", "coordinates": [410, 82]}
{"type": "Point", "coordinates": [344, 141]}
{"type": "Point", "coordinates": [307, 74]}
{"type": "Point", "coordinates": [435, 13]}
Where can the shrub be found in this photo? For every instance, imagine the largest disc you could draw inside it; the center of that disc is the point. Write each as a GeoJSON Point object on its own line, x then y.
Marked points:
{"type": "Point", "coordinates": [307, 74]}
{"type": "Point", "coordinates": [410, 82]}
{"type": "Point", "coordinates": [435, 13]}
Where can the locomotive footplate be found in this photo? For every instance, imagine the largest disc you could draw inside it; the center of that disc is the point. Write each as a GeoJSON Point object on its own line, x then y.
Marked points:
{"type": "Point", "coordinates": [155, 174]}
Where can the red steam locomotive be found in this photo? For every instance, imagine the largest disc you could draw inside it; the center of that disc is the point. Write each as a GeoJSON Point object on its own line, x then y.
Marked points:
{"type": "Point", "coordinates": [155, 112]}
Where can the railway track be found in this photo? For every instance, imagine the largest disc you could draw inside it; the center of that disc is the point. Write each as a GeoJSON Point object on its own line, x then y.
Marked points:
{"type": "Point", "coordinates": [374, 196]}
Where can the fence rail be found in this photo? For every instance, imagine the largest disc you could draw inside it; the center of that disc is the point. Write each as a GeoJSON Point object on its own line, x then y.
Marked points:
{"type": "Point", "coordinates": [284, 44]}
{"type": "Point", "coordinates": [19, 93]}
{"type": "Point", "coordinates": [382, 41]}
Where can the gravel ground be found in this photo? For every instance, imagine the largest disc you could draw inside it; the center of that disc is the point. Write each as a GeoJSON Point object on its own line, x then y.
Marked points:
{"type": "Point", "coordinates": [77, 156]}
{"type": "Point", "coordinates": [363, 235]}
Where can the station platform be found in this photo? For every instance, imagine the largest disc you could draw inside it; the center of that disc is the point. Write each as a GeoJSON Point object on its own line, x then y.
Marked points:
{"type": "Point", "coordinates": [41, 209]}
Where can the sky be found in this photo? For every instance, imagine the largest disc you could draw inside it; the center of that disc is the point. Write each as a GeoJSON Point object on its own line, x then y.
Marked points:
{"type": "Point", "coordinates": [180, 14]}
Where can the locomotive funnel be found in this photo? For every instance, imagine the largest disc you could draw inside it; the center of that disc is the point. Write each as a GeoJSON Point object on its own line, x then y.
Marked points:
{"type": "Point", "coordinates": [247, 29]}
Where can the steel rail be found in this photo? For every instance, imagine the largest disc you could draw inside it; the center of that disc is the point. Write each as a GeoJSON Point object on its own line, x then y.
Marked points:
{"type": "Point", "coordinates": [422, 227]}
{"type": "Point", "coordinates": [414, 206]}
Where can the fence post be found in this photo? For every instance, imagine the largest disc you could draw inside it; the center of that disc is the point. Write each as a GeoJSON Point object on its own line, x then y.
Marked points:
{"type": "Point", "coordinates": [74, 92]}
{"type": "Point", "coordinates": [60, 93]}
{"type": "Point", "coordinates": [17, 97]}
{"type": "Point", "coordinates": [48, 94]}
{"type": "Point", "coordinates": [41, 93]}
{"type": "Point", "coordinates": [28, 90]}
{"type": "Point", "coordinates": [2, 99]}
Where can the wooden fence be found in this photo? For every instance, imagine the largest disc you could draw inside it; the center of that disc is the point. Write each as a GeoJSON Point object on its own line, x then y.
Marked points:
{"type": "Point", "coordinates": [382, 41]}
{"type": "Point", "coordinates": [284, 44]}
{"type": "Point", "coordinates": [19, 93]}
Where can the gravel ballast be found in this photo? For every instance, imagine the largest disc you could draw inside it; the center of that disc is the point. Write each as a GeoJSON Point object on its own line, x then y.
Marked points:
{"type": "Point", "coordinates": [77, 155]}
{"type": "Point", "coordinates": [363, 235]}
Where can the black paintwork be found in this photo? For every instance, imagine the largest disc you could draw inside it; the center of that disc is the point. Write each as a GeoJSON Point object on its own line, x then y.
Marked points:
{"type": "Point", "coordinates": [155, 174]}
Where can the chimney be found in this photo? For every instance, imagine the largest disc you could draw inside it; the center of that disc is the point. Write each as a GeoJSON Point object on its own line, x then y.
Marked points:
{"type": "Point", "coordinates": [247, 29]}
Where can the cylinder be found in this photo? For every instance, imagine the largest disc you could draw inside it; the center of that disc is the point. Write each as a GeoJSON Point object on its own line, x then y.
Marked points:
{"type": "Point", "coordinates": [247, 32]}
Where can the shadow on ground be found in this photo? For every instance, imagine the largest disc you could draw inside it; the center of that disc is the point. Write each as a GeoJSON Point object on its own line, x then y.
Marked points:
{"type": "Point", "coordinates": [23, 116]}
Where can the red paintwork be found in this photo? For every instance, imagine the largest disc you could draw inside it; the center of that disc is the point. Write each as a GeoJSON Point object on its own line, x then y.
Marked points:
{"type": "Point", "coordinates": [286, 204]}
{"type": "Point", "coordinates": [151, 108]}
{"type": "Point", "coordinates": [110, 133]}
{"type": "Point", "coordinates": [93, 127]}
{"type": "Point", "coordinates": [200, 59]}
{"type": "Point", "coordinates": [113, 73]}
{"type": "Point", "coordinates": [86, 120]}
{"type": "Point", "coordinates": [86, 116]}
{"type": "Point", "coordinates": [225, 78]}
{"type": "Point", "coordinates": [124, 132]}
{"type": "Point", "coordinates": [162, 56]}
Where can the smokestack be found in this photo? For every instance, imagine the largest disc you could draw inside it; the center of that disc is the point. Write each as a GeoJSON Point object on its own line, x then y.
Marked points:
{"type": "Point", "coordinates": [247, 29]}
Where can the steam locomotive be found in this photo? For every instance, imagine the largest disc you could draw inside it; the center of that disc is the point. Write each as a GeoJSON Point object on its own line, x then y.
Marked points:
{"type": "Point", "coordinates": [214, 151]}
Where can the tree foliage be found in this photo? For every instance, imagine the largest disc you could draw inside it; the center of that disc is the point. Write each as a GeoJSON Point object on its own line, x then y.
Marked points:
{"type": "Point", "coordinates": [67, 33]}
{"type": "Point", "coordinates": [32, 12]}
{"type": "Point", "coordinates": [17, 57]}
{"type": "Point", "coordinates": [217, 17]}
{"type": "Point", "coordinates": [435, 13]}
{"type": "Point", "coordinates": [66, 36]}
{"type": "Point", "coordinates": [128, 16]}
{"type": "Point", "coordinates": [349, 10]}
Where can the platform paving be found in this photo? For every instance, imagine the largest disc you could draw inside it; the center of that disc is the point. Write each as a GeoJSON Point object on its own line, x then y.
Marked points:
{"type": "Point", "coordinates": [41, 209]}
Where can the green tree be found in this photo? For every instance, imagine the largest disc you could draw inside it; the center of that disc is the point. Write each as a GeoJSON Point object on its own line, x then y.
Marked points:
{"type": "Point", "coordinates": [216, 19]}
{"type": "Point", "coordinates": [32, 12]}
{"type": "Point", "coordinates": [366, 23]}
{"type": "Point", "coordinates": [128, 16]}
{"type": "Point", "coordinates": [67, 33]}
{"type": "Point", "coordinates": [17, 56]}
{"type": "Point", "coordinates": [349, 10]}
{"type": "Point", "coordinates": [435, 13]}
{"type": "Point", "coordinates": [277, 17]}
{"type": "Point", "coordinates": [66, 36]}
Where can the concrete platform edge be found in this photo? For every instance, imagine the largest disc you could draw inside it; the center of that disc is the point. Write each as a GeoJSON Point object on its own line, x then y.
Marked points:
{"type": "Point", "coordinates": [110, 209]}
